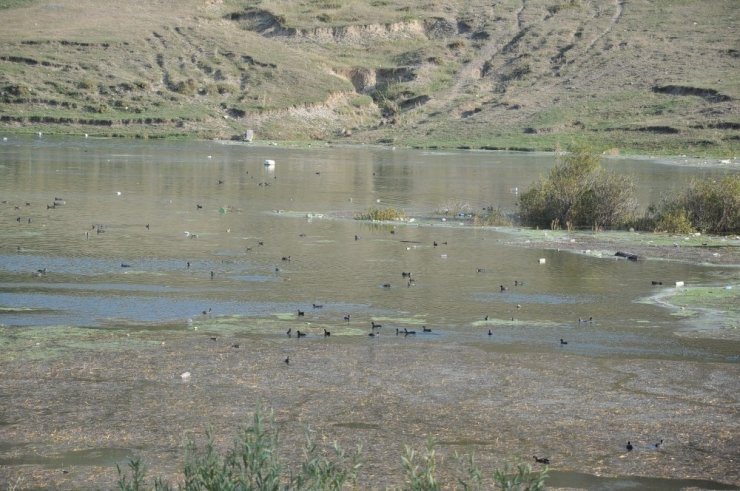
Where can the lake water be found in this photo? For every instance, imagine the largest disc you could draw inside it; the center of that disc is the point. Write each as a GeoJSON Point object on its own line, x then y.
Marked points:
{"type": "Point", "coordinates": [176, 241]}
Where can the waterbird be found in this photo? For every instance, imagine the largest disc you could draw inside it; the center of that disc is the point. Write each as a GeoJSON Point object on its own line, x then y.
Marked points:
{"type": "Point", "coordinates": [425, 329]}
{"type": "Point", "coordinates": [543, 460]}
{"type": "Point", "coordinates": [198, 206]}
{"type": "Point", "coordinates": [287, 360]}
{"type": "Point", "coordinates": [386, 285]}
{"type": "Point", "coordinates": [301, 313]}
{"type": "Point", "coordinates": [375, 326]}
{"type": "Point", "coordinates": [659, 444]}
{"type": "Point", "coordinates": [318, 306]}
{"type": "Point", "coordinates": [235, 345]}
{"type": "Point", "coordinates": [629, 446]}
{"type": "Point", "coordinates": [407, 332]}
{"type": "Point", "coordinates": [490, 333]}
{"type": "Point", "coordinates": [289, 332]}
{"type": "Point", "coordinates": [326, 333]}
{"type": "Point", "coordinates": [563, 342]}
{"type": "Point", "coordinates": [300, 334]}
{"type": "Point", "coordinates": [503, 288]}
{"type": "Point", "coordinates": [347, 317]}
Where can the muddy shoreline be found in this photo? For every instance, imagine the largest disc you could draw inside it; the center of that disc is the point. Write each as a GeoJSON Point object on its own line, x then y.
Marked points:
{"type": "Point", "coordinates": [579, 411]}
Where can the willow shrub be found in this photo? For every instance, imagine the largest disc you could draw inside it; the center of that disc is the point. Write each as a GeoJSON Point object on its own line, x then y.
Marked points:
{"type": "Point", "coordinates": [713, 205]}
{"type": "Point", "coordinates": [708, 205]}
{"type": "Point", "coordinates": [579, 193]}
{"type": "Point", "coordinates": [253, 464]}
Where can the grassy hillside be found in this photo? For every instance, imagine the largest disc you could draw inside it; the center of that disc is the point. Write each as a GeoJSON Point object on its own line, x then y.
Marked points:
{"type": "Point", "coordinates": [645, 76]}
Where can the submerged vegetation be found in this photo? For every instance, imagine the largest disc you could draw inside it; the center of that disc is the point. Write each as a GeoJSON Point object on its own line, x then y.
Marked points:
{"type": "Point", "coordinates": [253, 463]}
{"type": "Point", "coordinates": [382, 214]}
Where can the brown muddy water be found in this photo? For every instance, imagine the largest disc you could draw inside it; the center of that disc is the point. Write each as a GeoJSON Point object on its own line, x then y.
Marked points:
{"type": "Point", "coordinates": [161, 258]}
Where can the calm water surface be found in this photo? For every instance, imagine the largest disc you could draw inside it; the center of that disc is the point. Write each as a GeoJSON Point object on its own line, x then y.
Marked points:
{"type": "Point", "coordinates": [219, 208]}
{"type": "Point", "coordinates": [171, 235]}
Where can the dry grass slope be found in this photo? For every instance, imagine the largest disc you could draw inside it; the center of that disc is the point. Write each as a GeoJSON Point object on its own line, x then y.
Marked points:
{"type": "Point", "coordinates": [623, 75]}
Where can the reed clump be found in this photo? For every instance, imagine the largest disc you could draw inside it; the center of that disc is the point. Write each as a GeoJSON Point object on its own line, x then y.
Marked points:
{"type": "Point", "coordinates": [253, 463]}
{"type": "Point", "coordinates": [382, 215]}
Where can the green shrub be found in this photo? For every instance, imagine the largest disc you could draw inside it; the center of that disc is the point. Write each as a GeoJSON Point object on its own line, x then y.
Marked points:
{"type": "Point", "coordinates": [253, 464]}
{"type": "Point", "coordinates": [709, 205]}
{"type": "Point", "coordinates": [88, 84]}
{"type": "Point", "coordinates": [492, 217]}
{"type": "Point", "coordinates": [713, 205]}
{"type": "Point", "coordinates": [186, 87]}
{"type": "Point", "coordinates": [361, 101]}
{"type": "Point", "coordinates": [18, 90]}
{"type": "Point", "coordinates": [578, 193]}
{"type": "Point", "coordinates": [420, 468]}
{"type": "Point", "coordinates": [674, 222]}
{"type": "Point", "coordinates": [520, 479]}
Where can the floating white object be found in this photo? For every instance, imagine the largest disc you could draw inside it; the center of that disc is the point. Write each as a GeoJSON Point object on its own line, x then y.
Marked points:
{"type": "Point", "coordinates": [269, 163]}
{"type": "Point", "coordinates": [185, 376]}
{"type": "Point", "coordinates": [542, 260]}
{"type": "Point", "coordinates": [679, 284]}
{"type": "Point", "coordinates": [118, 193]}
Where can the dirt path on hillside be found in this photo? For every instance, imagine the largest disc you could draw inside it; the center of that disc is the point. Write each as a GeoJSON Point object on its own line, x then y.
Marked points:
{"type": "Point", "coordinates": [619, 9]}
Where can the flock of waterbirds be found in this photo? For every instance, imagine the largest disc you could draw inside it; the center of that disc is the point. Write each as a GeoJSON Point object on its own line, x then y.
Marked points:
{"type": "Point", "coordinates": [375, 328]}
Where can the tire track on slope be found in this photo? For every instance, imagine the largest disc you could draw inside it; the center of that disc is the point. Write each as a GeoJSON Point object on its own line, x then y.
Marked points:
{"type": "Point", "coordinates": [473, 70]}
{"type": "Point", "coordinates": [619, 10]}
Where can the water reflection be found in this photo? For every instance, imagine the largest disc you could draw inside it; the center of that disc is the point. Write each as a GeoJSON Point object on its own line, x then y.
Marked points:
{"type": "Point", "coordinates": [207, 225]}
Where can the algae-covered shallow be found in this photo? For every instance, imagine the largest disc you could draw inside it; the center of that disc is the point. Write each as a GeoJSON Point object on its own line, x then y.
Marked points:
{"type": "Point", "coordinates": [163, 261]}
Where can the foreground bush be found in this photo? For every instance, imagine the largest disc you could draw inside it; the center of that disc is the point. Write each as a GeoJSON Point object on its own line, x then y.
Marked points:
{"type": "Point", "coordinates": [253, 464]}
{"type": "Point", "coordinates": [578, 193]}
